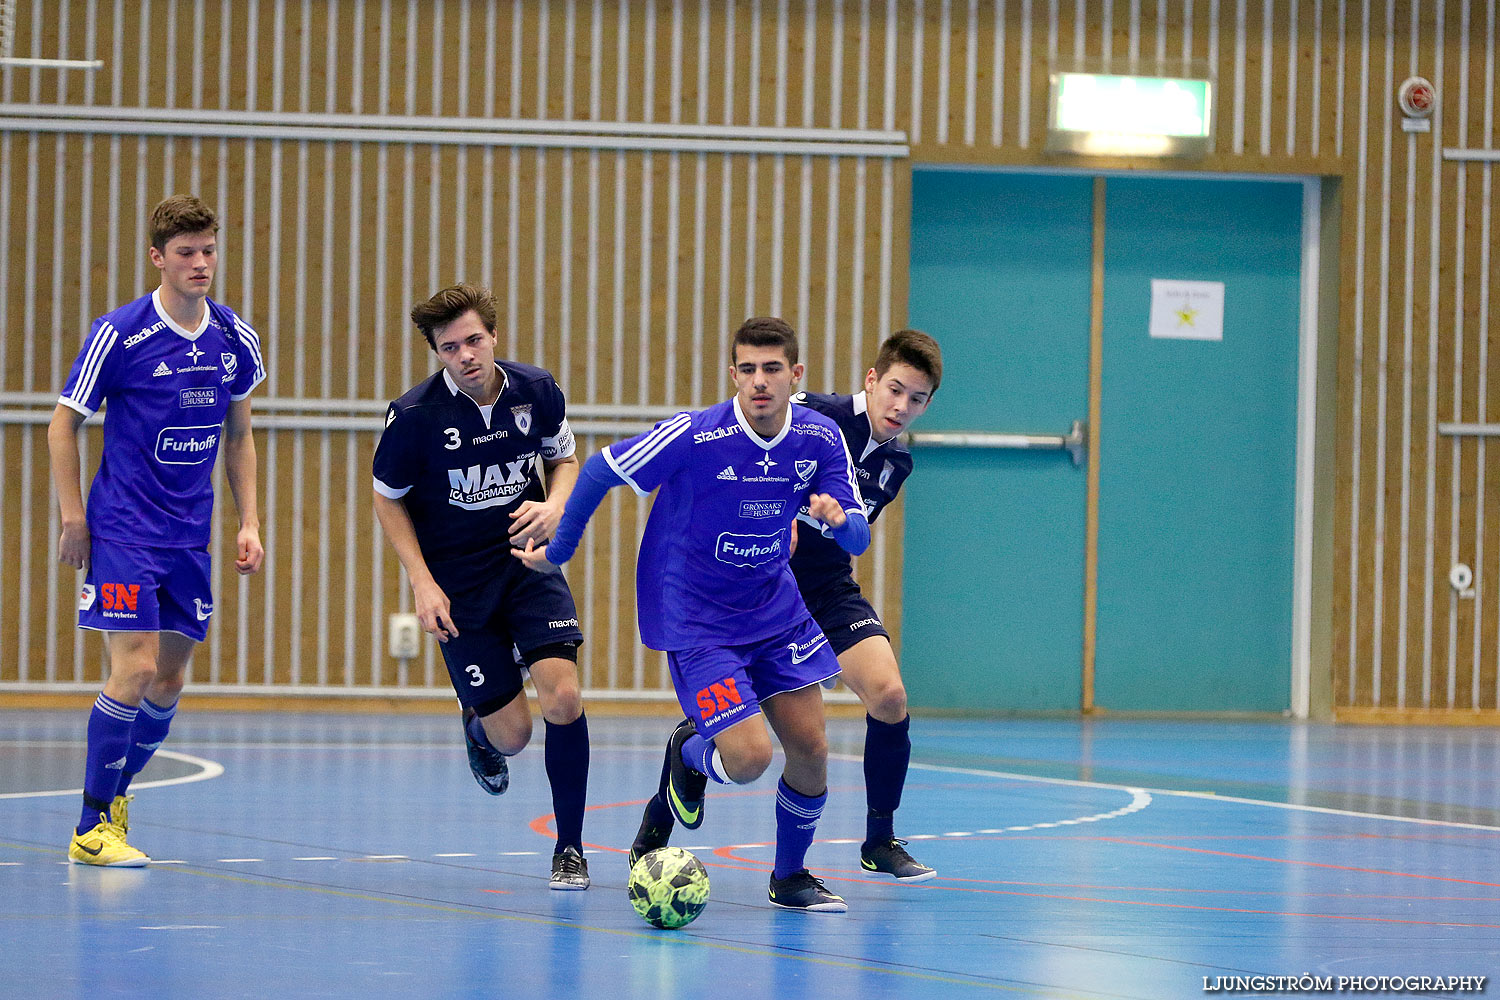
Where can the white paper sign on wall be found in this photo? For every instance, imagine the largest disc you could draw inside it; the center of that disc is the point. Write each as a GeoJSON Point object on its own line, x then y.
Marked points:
{"type": "Point", "coordinates": [1187, 310]}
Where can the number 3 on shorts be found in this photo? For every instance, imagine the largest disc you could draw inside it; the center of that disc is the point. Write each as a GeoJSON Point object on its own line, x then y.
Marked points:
{"type": "Point", "coordinates": [474, 672]}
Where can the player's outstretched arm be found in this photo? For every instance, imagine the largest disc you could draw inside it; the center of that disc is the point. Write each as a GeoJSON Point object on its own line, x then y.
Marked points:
{"type": "Point", "coordinates": [538, 521]}
{"type": "Point", "coordinates": [67, 468]}
{"type": "Point", "coordinates": [239, 468]}
{"type": "Point", "coordinates": [849, 528]}
{"type": "Point", "coordinates": [595, 479]}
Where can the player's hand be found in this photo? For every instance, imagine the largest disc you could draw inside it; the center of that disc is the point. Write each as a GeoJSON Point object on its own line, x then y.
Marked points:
{"type": "Point", "coordinates": [826, 509]}
{"type": "Point", "coordinates": [535, 558]}
{"type": "Point", "coordinates": [73, 545]}
{"type": "Point", "coordinates": [791, 548]}
{"type": "Point", "coordinates": [433, 611]}
{"type": "Point", "coordinates": [248, 552]}
{"type": "Point", "coordinates": [533, 521]}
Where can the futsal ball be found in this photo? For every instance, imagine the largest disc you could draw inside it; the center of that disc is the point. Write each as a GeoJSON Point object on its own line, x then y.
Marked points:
{"type": "Point", "coordinates": [668, 887]}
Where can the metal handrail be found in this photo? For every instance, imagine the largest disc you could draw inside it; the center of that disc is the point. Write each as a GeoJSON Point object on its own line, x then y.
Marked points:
{"type": "Point", "coordinates": [1469, 430]}
{"type": "Point", "coordinates": [1075, 442]}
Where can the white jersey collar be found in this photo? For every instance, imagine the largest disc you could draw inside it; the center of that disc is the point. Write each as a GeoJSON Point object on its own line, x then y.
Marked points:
{"type": "Point", "coordinates": [455, 390]}
{"type": "Point", "coordinates": [754, 435]}
{"type": "Point", "coordinates": [173, 325]}
{"type": "Point", "coordinates": [485, 412]}
{"type": "Point", "coordinates": [862, 405]}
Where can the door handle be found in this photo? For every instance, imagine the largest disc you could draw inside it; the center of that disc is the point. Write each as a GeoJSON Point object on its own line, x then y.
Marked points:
{"type": "Point", "coordinates": [1075, 442]}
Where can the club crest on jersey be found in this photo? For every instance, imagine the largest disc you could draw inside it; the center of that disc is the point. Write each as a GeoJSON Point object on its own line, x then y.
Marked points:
{"type": "Point", "coordinates": [86, 597]}
{"type": "Point", "coordinates": [885, 474]}
{"type": "Point", "coordinates": [523, 417]}
{"type": "Point", "coordinates": [231, 363]}
{"type": "Point", "coordinates": [805, 469]}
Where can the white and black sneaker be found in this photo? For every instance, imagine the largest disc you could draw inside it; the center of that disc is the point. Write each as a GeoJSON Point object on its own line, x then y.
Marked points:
{"type": "Point", "coordinates": [890, 858]}
{"type": "Point", "coordinates": [570, 872]}
{"type": "Point", "coordinates": [802, 890]}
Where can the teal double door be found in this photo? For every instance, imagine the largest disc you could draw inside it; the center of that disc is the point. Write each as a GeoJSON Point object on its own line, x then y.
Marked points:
{"type": "Point", "coordinates": [1196, 446]}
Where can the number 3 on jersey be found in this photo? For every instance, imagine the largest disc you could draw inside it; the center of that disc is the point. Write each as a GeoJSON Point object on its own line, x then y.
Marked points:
{"type": "Point", "coordinates": [475, 673]}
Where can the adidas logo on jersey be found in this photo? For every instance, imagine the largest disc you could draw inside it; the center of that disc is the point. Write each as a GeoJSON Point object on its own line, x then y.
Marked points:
{"type": "Point", "coordinates": [161, 370]}
{"type": "Point", "coordinates": [728, 473]}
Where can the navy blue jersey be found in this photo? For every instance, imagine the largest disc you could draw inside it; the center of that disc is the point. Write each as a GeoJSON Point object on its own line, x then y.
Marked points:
{"type": "Point", "coordinates": [461, 469]}
{"type": "Point", "coordinates": [713, 562]}
{"type": "Point", "coordinates": [168, 391]}
{"type": "Point", "coordinates": [880, 469]}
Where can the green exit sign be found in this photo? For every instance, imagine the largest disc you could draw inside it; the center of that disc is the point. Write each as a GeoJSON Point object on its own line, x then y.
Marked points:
{"type": "Point", "coordinates": [1130, 115]}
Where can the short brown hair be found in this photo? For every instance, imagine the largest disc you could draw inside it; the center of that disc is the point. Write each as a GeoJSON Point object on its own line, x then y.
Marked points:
{"type": "Point", "coordinates": [766, 331]}
{"type": "Point", "coordinates": [915, 348]}
{"type": "Point", "coordinates": [181, 213]}
{"type": "Point", "coordinates": [451, 303]}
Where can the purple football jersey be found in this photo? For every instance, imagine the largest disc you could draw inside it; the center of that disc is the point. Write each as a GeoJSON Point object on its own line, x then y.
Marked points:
{"type": "Point", "coordinates": [713, 566]}
{"type": "Point", "coordinates": [168, 391]}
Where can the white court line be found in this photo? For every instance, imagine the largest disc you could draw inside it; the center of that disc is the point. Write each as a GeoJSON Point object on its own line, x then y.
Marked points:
{"type": "Point", "coordinates": [210, 769]}
{"type": "Point", "coordinates": [1206, 796]}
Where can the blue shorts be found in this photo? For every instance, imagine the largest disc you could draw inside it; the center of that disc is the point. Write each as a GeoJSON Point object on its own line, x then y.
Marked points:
{"type": "Point", "coordinates": [844, 615]}
{"type": "Point", "coordinates": [718, 686]}
{"type": "Point", "coordinates": [135, 588]}
{"type": "Point", "coordinates": [515, 619]}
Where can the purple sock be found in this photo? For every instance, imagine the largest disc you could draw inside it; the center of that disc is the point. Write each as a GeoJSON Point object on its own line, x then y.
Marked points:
{"type": "Point", "coordinates": [699, 754]}
{"type": "Point", "coordinates": [110, 724]}
{"type": "Point", "coordinates": [566, 754]}
{"type": "Point", "coordinates": [150, 731]}
{"type": "Point", "coordinates": [796, 823]}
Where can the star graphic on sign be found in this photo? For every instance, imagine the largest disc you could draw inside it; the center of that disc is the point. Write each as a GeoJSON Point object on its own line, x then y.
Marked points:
{"type": "Point", "coordinates": [1186, 315]}
{"type": "Point", "coordinates": [765, 465]}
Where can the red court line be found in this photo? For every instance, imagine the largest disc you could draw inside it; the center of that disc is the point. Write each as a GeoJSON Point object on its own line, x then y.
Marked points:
{"type": "Point", "coordinates": [1290, 861]}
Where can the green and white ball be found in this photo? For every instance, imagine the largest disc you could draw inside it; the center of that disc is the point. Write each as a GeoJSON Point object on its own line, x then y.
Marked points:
{"type": "Point", "coordinates": [668, 887]}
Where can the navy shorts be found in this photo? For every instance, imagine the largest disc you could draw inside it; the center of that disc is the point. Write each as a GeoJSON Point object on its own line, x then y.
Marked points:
{"type": "Point", "coordinates": [718, 686]}
{"type": "Point", "coordinates": [517, 618]}
{"type": "Point", "coordinates": [844, 615]}
{"type": "Point", "coordinates": [136, 588]}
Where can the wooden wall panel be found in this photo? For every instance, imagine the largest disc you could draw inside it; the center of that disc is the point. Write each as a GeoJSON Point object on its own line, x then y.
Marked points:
{"type": "Point", "coordinates": [623, 270]}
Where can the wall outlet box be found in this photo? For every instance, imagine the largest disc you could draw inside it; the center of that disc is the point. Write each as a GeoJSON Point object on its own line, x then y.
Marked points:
{"type": "Point", "coordinates": [404, 637]}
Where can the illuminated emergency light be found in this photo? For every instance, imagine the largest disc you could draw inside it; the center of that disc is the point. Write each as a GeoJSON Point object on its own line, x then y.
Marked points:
{"type": "Point", "coordinates": [1130, 115]}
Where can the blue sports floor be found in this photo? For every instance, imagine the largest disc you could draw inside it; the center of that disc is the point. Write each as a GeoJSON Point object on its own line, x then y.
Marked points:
{"type": "Point", "coordinates": [353, 855]}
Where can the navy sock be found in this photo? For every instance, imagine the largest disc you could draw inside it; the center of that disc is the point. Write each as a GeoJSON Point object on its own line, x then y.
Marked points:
{"type": "Point", "coordinates": [887, 758]}
{"type": "Point", "coordinates": [658, 812]}
{"type": "Point", "coordinates": [567, 757]}
{"type": "Point", "coordinates": [149, 732]}
{"type": "Point", "coordinates": [476, 730]}
{"type": "Point", "coordinates": [796, 823]}
{"type": "Point", "coordinates": [109, 742]}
